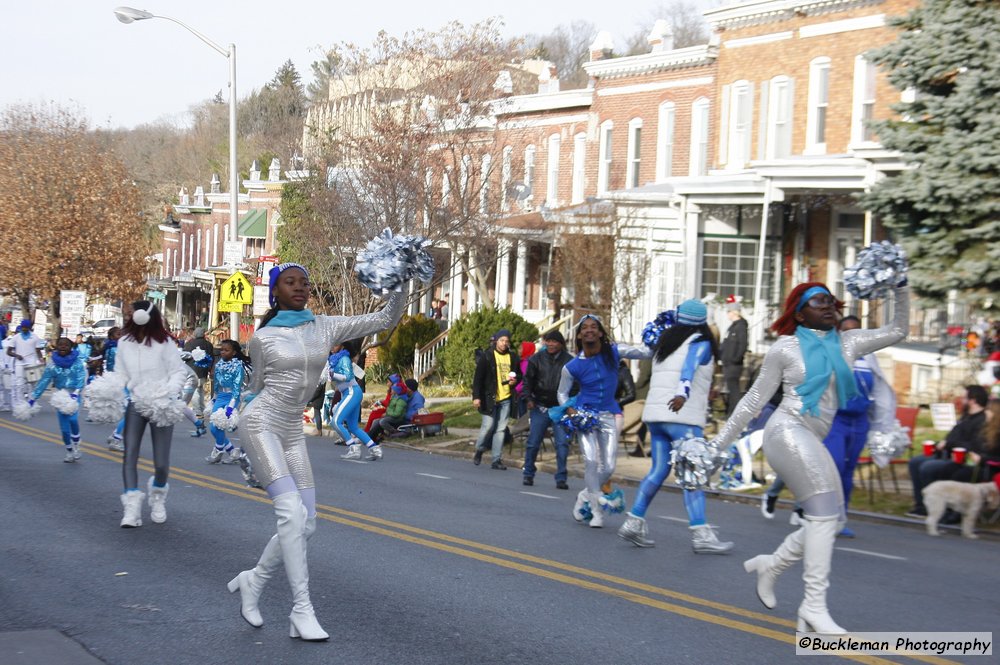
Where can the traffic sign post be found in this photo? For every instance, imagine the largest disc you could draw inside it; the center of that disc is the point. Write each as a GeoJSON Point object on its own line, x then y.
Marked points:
{"type": "Point", "coordinates": [235, 293]}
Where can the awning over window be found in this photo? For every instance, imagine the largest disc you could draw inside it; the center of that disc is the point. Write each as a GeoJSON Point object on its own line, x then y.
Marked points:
{"type": "Point", "coordinates": [254, 224]}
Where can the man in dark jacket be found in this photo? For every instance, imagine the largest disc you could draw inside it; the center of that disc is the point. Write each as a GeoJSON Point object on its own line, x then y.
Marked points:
{"type": "Point", "coordinates": [731, 353]}
{"type": "Point", "coordinates": [498, 370]}
{"type": "Point", "coordinates": [541, 381]}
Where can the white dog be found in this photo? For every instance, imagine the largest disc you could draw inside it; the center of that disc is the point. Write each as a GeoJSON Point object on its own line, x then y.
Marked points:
{"type": "Point", "coordinates": [965, 498]}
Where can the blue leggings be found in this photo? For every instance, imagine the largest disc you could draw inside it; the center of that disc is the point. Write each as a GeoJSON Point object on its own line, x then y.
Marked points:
{"type": "Point", "coordinates": [221, 440]}
{"type": "Point", "coordinates": [845, 441]}
{"type": "Point", "coordinates": [347, 413]}
{"type": "Point", "coordinates": [70, 428]}
{"type": "Point", "coordinates": [662, 436]}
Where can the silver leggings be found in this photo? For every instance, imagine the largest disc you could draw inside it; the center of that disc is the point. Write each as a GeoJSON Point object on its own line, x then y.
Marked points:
{"type": "Point", "coordinates": [600, 451]}
{"type": "Point", "coordinates": [135, 427]}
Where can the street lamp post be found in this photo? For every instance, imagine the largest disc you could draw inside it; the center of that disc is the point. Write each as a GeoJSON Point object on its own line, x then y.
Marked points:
{"type": "Point", "coordinates": [130, 15]}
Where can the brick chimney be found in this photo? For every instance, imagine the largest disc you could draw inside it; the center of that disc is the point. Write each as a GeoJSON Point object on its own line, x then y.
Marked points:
{"type": "Point", "coordinates": [602, 47]}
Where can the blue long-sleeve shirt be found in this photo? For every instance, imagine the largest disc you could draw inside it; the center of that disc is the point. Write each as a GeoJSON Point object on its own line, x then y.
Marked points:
{"type": "Point", "coordinates": [71, 378]}
{"type": "Point", "coordinates": [228, 378]}
{"type": "Point", "coordinates": [342, 370]}
{"type": "Point", "coordinates": [417, 402]}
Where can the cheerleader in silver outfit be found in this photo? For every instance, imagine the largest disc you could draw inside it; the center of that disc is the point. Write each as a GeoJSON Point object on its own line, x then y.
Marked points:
{"type": "Point", "coordinates": [595, 372]}
{"type": "Point", "coordinates": [812, 363]}
{"type": "Point", "coordinates": [288, 353]}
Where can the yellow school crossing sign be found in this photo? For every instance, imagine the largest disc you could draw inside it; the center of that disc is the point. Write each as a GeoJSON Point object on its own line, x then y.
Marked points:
{"type": "Point", "coordinates": [234, 293]}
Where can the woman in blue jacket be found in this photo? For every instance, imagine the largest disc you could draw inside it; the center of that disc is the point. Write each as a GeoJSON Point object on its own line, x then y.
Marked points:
{"type": "Point", "coordinates": [228, 374]}
{"type": "Point", "coordinates": [347, 413]}
{"type": "Point", "coordinates": [66, 371]}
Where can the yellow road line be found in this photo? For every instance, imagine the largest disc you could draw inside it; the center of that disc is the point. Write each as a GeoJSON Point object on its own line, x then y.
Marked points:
{"type": "Point", "coordinates": [392, 529]}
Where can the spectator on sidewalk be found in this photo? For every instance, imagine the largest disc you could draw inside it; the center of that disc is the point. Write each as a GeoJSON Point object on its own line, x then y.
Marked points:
{"type": "Point", "coordinates": [415, 401]}
{"type": "Point", "coordinates": [541, 383]}
{"type": "Point", "coordinates": [201, 369]}
{"type": "Point", "coordinates": [732, 351]}
{"type": "Point", "coordinates": [968, 434]}
{"type": "Point", "coordinates": [527, 350]}
{"type": "Point", "coordinates": [497, 372]}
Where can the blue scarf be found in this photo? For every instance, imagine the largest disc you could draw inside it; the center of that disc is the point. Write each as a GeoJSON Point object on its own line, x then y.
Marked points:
{"type": "Point", "coordinates": [822, 357]}
{"type": "Point", "coordinates": [65, 362]}
{"type": "Point", "coordinates": [290, 318]}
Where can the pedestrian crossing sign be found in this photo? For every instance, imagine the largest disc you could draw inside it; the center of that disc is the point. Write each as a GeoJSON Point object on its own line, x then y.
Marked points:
{"type": "Point", "coordinates": [236, 289]}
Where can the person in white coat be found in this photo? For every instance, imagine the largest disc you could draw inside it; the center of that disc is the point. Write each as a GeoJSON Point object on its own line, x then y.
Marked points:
{"type": "Point", "coordinates": [150, 364]}
{"type": "Point", "coordinates": [676, 408]}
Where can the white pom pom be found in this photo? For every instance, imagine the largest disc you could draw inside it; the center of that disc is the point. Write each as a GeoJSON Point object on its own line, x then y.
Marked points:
{"type": "Point", "coordinates": [220, 420]}
{"type": "Point", "coordinates": [106, 398]}
{"type": "Point", "coordinates": [22, 411]}
{"type": "Point", "coordinates": [157, 402]}
{"type": "Point", "coordinates": [140, 317]}
{"type": "Point", "coordinates": [63, 403]}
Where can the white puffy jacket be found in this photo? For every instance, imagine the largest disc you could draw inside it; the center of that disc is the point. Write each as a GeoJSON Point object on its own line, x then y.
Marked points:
{"type": "Point", "coordinates": [139, 364]}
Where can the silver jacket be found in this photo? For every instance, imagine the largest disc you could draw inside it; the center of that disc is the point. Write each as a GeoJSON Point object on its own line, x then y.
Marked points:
{"type": "Point", "coordinates": [287, 364]}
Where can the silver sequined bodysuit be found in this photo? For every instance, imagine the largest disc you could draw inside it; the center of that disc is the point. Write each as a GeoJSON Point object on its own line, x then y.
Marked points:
{"type": "Point", "coordinates": [287, 363]}
{"type": "Point", "coordinates": [793, 441]}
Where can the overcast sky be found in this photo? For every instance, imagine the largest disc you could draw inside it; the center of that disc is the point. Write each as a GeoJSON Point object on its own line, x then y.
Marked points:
{"type": "Point", "coordinates": [76, 52]}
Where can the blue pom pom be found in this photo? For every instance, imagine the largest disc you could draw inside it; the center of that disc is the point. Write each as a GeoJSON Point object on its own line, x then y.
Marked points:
{"type": "Point", "coordinates": [584, 420]}
{"type": "Point", "coordinates": [614, 502]}
{"type": "Point", "coordinates": [655, 328]}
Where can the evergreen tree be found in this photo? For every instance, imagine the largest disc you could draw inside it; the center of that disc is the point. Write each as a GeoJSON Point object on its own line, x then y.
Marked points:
{"type": "Point", "coordinates": [322, 71]}
{"type": "Point", "coordinates": [945, 207]}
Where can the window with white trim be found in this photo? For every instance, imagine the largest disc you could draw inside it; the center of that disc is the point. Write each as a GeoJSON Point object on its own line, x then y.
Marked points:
{"type": "Point", "coordinates": [604, 157]}
{"type": "Point", "coordinates": [699, 137]}
{"type": "Point", "coordinates": [665, 140]}
{"type": "Point", "coordinates": [779, 118]}
{"type": "Point", "coordinates": [634, 153]}
{"type": "Point", "coordinates": [505, 176]}
{"type": "Point", "coordinates": [818, 105]}
{"type": "Point", "coordinates": [729, 266]}
{"type": "Point", "coordinates": [529, 174]}
{"type": "Point", "coordinates": [740, 124]}
{"type": "Point", "coordinates": [864, 100]}
{"type": "Point", "coordinates": [446, 187]}
{"type": "Point", "coordinates": [579, 166]}
{"type": "Point", "coordinates": [552, 172]}
{"type": "Point", "coordinates": [484, 184]}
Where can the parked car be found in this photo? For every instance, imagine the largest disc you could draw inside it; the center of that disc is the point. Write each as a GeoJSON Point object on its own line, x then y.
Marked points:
{"type": "Point", "coordinates": [101, 328]}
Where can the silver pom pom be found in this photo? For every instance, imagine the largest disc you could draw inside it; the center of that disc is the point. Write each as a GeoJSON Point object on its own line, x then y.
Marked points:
{"type": "Point", "coordinates": [220, 420]}
{"type": "Point", "coordinates": [389, 262]}
{"type": "Point", "coordinates": [885, 446]}
{"type": "Point", "coordinates": [63, 403]}
{"type": "Point", "coordinates": [881, 266]}
{"type": "Point", "coordinates": [106, 398]}
{"type": "Point", "coordinates": [695, 461]}
{"type": "Point", "coordinates": [158, 403]}
{"type": "Point", "coordinates": [22, 411]}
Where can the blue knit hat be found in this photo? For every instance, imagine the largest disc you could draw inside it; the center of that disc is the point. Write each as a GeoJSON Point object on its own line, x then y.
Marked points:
{"type": "Point", "coordinates": [692, 313]}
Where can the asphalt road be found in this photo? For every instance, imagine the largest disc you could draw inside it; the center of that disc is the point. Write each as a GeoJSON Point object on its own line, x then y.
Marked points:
{"type": "Point", "coordinates": [422, 558]}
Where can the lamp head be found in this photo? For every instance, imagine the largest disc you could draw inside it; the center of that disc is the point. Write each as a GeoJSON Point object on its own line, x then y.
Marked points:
{"type": "Point", "coordinates": [128, 14]}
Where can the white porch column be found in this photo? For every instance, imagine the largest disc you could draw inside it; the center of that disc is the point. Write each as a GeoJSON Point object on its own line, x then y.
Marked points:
{"type": "Point", "coordinates": [178, 309]}
{"type": "Point", "coordinates": [455, 294]}
{"type": "Point", "coordinates": [503, 273]}
{"type": "Point", "coordinates": [471, 296]}
{"type": "Point", "coordinates": [757, 328]}
{"type": "Point", "coordinates": [520, 276]}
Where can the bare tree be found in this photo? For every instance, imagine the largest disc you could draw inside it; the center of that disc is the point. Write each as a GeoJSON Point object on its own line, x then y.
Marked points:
{"type": "Point", "coordinates": [686, 21]}
{"type": "Point", "coordinates": [70, 214]}
{"type": "Point", "coordinates": [568, 48]}
{"type": "Point", "coordinates": [408, 140]}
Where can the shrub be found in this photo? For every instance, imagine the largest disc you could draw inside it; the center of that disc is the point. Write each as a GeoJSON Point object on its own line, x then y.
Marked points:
{"type": "Point", "coordinates": [474, 331]}
{"type": "Point", "coordinates": [397, 353]}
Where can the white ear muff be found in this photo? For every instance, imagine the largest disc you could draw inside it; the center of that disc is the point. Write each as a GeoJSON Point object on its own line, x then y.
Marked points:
{"type": "Point", "coordinates": [141, 317]}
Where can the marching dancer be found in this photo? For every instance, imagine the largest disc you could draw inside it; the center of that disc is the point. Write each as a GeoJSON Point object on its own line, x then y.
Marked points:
{"type": "Point", "coordinates": [595, 371]}
{"type": "Point", "coordinates": [151, 366]}
{"type": "Point", "coordinates": [347, 413]}
{"type": "Point", "coordinates": [812, 363]}
{"type": "Point", "coordinates": [228, 374]}
{"type": "Point", "coordinates": [677, 407]}
{"type": "Point", "coordinates": [66, 371]}
{"type": "Point", "coordinates": [288, 353]}
{"type": "Point", "coordinates": [25, 351]}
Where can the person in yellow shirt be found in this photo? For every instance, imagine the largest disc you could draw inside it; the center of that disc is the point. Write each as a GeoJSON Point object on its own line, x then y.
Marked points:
{"type": "Point", "coordinates": [497, 372]}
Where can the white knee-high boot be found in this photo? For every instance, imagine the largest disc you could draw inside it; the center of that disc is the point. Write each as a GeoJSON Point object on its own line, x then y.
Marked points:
{"type": "Point", "coordinates": [291, 514]}
{"type": "Point", "coordinates": [251, 583]}
{"type": "Point", "coordinates": [769, 566]}
{"type": "Point", "coordinates": [820, 535]}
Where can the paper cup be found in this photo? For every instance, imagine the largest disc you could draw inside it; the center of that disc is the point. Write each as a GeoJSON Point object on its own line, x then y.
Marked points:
{"type": "Point", "coordinates": [928, 448]}
{"type": "Point", "coordinates": [958, 455]}
{"type": "Point", "coordinates": [512, 375]}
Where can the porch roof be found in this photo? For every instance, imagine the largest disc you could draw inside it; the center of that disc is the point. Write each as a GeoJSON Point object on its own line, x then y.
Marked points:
{"type": "Point", "coordinates": [254, 224]}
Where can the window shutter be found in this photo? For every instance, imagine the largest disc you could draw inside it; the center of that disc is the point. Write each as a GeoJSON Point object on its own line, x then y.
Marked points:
{"type": "Point", "coordinates": [724, 126]}
{"type": "Point", "coordinates": [762, 122]}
